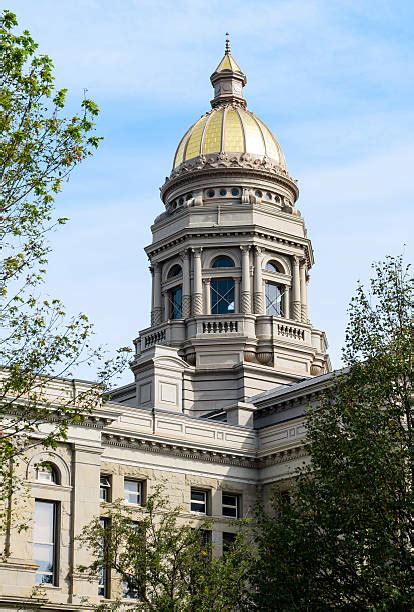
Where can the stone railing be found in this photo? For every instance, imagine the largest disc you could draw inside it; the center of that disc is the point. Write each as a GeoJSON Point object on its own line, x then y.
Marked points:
{"type": "Point", "coordinates": [156, 337]}
{"type": "Point", "coordinates": [220, 327]}
{"type": "Point", "coordinates": [290, 331]}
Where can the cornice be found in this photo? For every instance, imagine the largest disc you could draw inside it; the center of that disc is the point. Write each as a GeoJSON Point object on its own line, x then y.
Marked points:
{"type": "Point", "coordinates": [211, 165]}
{"type": "Point", "coordinates": [207, 455]}
{"type": "Point", "coordinates": [196, 233]}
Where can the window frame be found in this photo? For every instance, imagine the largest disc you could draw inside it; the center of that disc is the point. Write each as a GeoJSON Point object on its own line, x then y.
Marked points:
{"type": "Point", "coordinates": [104, 583]}
{"type": "Point", "coordinates": [47, 468]}
{"type": "Point", "coordinates": [140, 493]}
{"type": "Point", "coordinates": [54, 573]}
{"type": "Point", "coordinates": [205, 502]}
{"type": "Point", "coordinates": [107, 488]}
{"type": "Point", "coordinates": [173, 306]}
{"type": "Point", "coordinates": [230, 263]}
{"type": "Point", "coordinates": [236, 506]}
{"type": "Point", "coordinates": [218, 296]}
{"type": "Point", "coordinates": [269, 302]}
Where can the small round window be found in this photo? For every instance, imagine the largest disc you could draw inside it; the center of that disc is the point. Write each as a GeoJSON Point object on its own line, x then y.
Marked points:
{"type": "Point", "coordinates": [258, 194]}
{"type": "Point", "coordinates": [210, 193]}
{"type": "Point", "coordinates": [235, 191]}
{"type": "Point", "coordinates": [223, 192]}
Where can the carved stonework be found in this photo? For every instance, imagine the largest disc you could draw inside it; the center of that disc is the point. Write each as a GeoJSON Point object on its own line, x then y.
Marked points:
{"type": "Point", "coordinates": [156, 316]}
{"type": "Point", "coordinates": [316, 370]}
{"type": "Point", "coordinates": [191, 359]}
{"type": "Point", "coordinates": [245, 302]}
{"type": "Point", "coordinates": [197, 304]}
{"type": "Point", "coordinates": [249, 356]}
{"type": "Point", "coordinates": [234, 160]}
{"type": "Point", "coordinates": [297, 311]}
{"type": "Point", "coordinates": [258, 303]}
{"type": "Point", "coordinates": [186, 305]}
{"type": "Point", "coordinates": [264, 358]}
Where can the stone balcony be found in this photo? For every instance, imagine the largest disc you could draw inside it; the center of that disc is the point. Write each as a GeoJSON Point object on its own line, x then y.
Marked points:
{"type": "Point", "coordinates": [256, 328]}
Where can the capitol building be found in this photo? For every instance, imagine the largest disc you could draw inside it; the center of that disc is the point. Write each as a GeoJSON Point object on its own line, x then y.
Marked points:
{"type": "Point", "coordinates": [221, 378]}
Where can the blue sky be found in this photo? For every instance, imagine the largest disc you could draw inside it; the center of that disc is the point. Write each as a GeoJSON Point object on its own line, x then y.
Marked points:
{"type": "Point", "coordinates": [334, 80]}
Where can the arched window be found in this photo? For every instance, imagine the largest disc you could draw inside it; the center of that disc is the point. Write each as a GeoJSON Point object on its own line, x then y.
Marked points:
{"type": "Point", "coordinates": [175, 300]}
{"type": "Point", "coordinates": [222, 295]}
{"type": "Point", "coordinates": [275, 296]}
{"type": "Point", "coordinates": [175, 270]}
{"type": "Point", "coordinates": [47, 472]}
{"type": "Point", "coordinates": [222, 261]}
{"type": "Point", "coordinates": [272, 266]}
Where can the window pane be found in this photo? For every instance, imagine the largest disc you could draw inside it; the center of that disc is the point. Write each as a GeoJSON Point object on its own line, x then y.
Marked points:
{"type": "Point", "coordinates": [44, 523]}
{"type": "Point", "coordinates": [43, 556]}
{"type": "Point", "coordinates": [175, 297]}
{"type": "Point", "coordinates": [44, 541]}
{"type": "Point", "coordinates": [198, 507]}
{"type": "Point", "coordinates": [274, 300]}
{"type": "Point", "coordinates": [174, 271]}
{"type": "Point", "coordinates": [132, 491]}
{"type": "Point", "coordinates": [223, 262]}
{"type": "Point", "coordinates": [198, 495]}
{"type": "Point", "coordinates": [230, 500]}
{"type": "Point", "coordinates": [228, 541]}
{"type": "Point", "coordinates": [222, 296]}
{"type": "Point", "coordinates": [231, 512]}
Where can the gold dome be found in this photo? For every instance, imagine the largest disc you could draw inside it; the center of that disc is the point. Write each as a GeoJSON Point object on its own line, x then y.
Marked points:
{"type": "Point", "coordinates": [229, 129]}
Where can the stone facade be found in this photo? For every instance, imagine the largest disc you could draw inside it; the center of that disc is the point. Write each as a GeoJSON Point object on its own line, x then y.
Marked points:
{"type": "Point", "coordinates": [224, 373]}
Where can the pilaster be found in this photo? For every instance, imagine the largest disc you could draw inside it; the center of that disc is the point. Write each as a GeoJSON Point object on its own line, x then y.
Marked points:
{"type": "Point", "coordinates": [186, 303]}
{"type": "Point", "coordinates": [198, 286]}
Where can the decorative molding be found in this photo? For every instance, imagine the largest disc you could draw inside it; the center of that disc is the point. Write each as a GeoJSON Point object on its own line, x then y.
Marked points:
{"type": "Point", "coordinates": [206, 455]}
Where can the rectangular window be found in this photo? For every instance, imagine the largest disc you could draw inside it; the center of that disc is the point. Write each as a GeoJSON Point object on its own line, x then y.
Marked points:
{"type": "Point", "coordinates": [105, 488]}
{"type": "Point", "coordinates": [133, 492]}
{"type": "Point", "coordinates": [231, 505]}
{"type": "Point", "coordinates": [222, 295]}
{"type": "Point", "coordinates": [104, 572]}
{"type": "Point", "coordinates": [175, 297]}
{"type": "Point", "coordinates": [228, 541]}
{"type": "Point", "coordinates": [45, 539]}
{"type": "Point", "coordinates": [199, 501]}
{"type": "Point", "coordinates": [274, 299]}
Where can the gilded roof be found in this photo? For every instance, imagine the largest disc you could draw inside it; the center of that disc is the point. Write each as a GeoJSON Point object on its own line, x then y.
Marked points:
{"type": "Point", "coordinates": [229, 129]}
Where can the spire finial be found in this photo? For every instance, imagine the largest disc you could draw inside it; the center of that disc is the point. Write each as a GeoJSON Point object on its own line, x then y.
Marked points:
{"type": "Point", "coordinates": [227, 47]}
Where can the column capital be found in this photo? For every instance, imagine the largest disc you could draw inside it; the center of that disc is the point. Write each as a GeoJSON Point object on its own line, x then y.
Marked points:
{"type": "Point", "coordinates": [206, 281]}
{"type": "Point", "coordinates": [197, 251]}
{"type": "Point", "coordinates": [245, 248]}
{"type": "Point", "coordinates": [259, 249]}
{"type": "Point", "coordinates": [296, 260]}
{"type": "Point", "coordinates": [184, 254]}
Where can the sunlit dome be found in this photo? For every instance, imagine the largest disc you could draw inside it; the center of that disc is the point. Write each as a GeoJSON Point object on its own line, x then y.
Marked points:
{"type": "Point", "coordinates": [229, 127]}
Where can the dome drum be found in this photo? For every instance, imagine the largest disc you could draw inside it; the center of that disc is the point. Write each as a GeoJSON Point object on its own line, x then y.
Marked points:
{"type": "Point", "coordinates": [227, 185]}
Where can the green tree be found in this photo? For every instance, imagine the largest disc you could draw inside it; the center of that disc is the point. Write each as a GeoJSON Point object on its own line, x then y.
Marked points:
{"type": "Point", "coordinates": [39, 343]}
{"type": "Point", "coordinates": [343, 539]}
{"type": "Point", "coordinates": [165, 560]}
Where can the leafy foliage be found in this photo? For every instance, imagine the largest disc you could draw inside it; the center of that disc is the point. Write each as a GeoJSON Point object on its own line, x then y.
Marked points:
{"type": "Point", "coordinates": [39, 344]}
{"type": "Point", "coordinates": [165, 560]}
{"type": "Point", "coordinates": [344, 539]}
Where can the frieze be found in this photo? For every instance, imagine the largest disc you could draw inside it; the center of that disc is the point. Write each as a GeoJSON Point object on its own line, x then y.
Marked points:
{"type": "Point", "coordinates": [206, 455]}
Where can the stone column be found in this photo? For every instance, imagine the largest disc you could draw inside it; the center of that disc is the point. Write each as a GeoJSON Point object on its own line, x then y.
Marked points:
{"type": "Point", "coordinates": [303, 292]}
{"type": "Point", "coordinates": [207, 296]}
{"type": "Point", "coordinates": [237, 295]}
{"type": "Point", "coordinates": [287, 302]}
{"type": "Point", "coordinates": [156, 315]}
{"type": "Point", "coordinates": [166, 308]}
{"type": "Point", "coordinates": [258, 281]}
{"type": "Point", "coordinates": [246, 301]}
{"type": "Point", "coordinates": [297, 312]}
{"type": "Point", "coordinates": [198, 285]}
{"type": "Point", "coordinates": [186, 304]}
